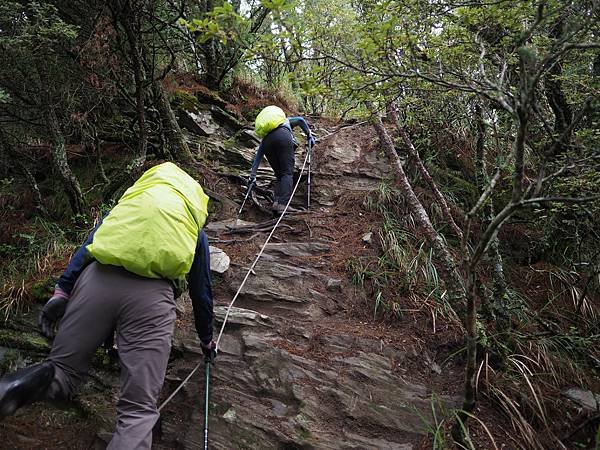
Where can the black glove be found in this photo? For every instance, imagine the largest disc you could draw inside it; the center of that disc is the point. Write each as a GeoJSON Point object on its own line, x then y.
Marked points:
{"type": "Point", "coordinates": [51, 314]}
{"type": "Point", "coordinates": [209, 350]}
{"type": "Point", "coordinates": [251, 179]}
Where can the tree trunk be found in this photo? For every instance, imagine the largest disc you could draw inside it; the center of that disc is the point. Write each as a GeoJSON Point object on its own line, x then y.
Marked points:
{"type": "Point", "coordinates": [557, 99]}
{"type": "Point", "coordinates": [471, 363]}
{"type": "Point", "coordinates": [563, 116]}
{"type": "Point", "coordinates": [175, 140]}
{"type": "Point", "coordinates": [212, 58]}
{"type": "Point", "coordinates": [452, 278]}
{"type": "Point", "coordinates": [483, 179]}
{"type": "Point", "coordinates": [139, 76]}
{"type": "Point", "coordinates": [99, 165]}
{"type": "Point", "coordinates": [130, 24]}
{"type": "Point", "coordinates": [412, 151]}
{"type": "Point", "coordinates": [61, 164]}
{"type": "Point", "coordinates": [39, 204]}
{"type": "Point", "coordinates": [7, 149]}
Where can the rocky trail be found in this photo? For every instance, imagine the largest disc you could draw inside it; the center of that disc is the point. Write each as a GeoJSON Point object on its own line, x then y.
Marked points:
{"type": "Point", "coordinates": [296, 368]}
{"type": "Point", "coordinates": [302, 363]}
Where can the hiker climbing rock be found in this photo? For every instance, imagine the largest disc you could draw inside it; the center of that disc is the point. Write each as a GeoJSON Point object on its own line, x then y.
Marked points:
{"type": "Point", "coordinates": [125, 277]}
{"type": "Point", "coordinates": [278, 145]}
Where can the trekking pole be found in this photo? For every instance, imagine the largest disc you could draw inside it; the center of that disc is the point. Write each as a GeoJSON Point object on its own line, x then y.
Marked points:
{"type": "Point", "coordinates": [309, 154]}
{"type": "Point", "coordinates": [250, 186]}
{"type": "Point", "coordinates": [207, 362]}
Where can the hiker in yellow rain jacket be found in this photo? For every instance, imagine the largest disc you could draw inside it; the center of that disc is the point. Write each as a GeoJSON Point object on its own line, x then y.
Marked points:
{"type": "Point", "coordinates": [278, 145]}
{"type": "Point", "coordinates": [123, 278]}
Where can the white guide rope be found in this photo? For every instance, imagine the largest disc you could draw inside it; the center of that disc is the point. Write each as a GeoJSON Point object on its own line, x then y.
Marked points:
{"type": "Point", "coordinates": [250, 270]}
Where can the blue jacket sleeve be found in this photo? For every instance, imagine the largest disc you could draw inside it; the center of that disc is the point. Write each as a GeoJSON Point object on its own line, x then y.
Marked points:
{"type": "Point", "coordinates": [80, 259]}
{"type": "Point", "coordinates": [299, 121]}
{"type": "Point", "coordinates": [259, 154]}
{"type": "Point", "coordinates": [200, 286]}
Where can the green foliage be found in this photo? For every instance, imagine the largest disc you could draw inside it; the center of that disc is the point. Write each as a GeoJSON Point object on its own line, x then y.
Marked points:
{"type": "Point", "coordinates": [36, 27]}
{"type": "Point", "coordinates": [435, 427]}
{"type": "Point", "coordinates": [30, 256]}
{"type": "Point", "coordinates": [406, 269]}
{"type": "Point", "coordinates": [567, 227]}
{"type": "Point", "coordinates": [222, 23]}
{"type": "Point", "coordinates": [36, 70]}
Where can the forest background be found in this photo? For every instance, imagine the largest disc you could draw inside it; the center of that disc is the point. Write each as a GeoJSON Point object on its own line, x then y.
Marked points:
{"type": "Point", "coordinates": [487, 110]}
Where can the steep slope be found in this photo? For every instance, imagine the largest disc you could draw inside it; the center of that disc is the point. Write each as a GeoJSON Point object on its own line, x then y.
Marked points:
{"type": "Point", "coordinates": [302, 363]}
{"type": "Point", "coordinates": [299, 367]}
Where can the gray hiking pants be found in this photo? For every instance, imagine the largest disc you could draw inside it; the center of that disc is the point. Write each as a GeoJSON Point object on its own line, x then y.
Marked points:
{"type": "Point", "coordinates": [142, 310]}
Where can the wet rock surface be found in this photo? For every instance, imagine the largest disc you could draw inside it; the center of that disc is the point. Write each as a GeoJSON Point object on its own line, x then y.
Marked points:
{"type": "Point", "coordinates": [295, 369]}
{"type": "Point", "coordinates": [219, 260]}
{"type": "Point", "coordinates": [585, 399]}
{"type": "Point", "coordinates": [285, 377]}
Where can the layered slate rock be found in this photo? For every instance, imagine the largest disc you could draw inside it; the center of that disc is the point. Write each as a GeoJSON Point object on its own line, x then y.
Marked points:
{"type": "Point", "coordinates": [285, 377]}
{"type": "Point", "coordinates": [271, 389]}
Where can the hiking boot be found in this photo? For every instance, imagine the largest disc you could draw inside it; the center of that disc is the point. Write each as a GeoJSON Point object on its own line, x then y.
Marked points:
{"type": "Point", "coordinates": [24, 386]}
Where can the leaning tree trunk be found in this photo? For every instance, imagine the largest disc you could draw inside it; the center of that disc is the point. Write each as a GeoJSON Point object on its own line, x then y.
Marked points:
{"type": "Point", "coordinates": [451, 276]}
{"type": "Point", "coordinates": [412, 151]}
{"type": "Point", "coordinates": [37, 195]}
{"type": "Point", "coordinates": [175, 140]}
{"type": "Point", "coordinates": [98, 155]}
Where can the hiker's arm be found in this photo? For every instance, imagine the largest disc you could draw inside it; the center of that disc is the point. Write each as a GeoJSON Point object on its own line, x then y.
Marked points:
{"type": "Point", "coordinates": [80, 259]}
{"type": "Point", "coordinates": [300, 122]}
{"type": "Point", "coordinates": [259, 154]}
{"type": "Point", "coordinates": [200, 287]}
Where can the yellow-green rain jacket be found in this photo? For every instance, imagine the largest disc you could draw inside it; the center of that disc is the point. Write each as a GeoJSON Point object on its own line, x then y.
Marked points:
{"type": "Point", "coordinates": [268, 119]}
{"type": "Point", "coordinates": [153, 229]}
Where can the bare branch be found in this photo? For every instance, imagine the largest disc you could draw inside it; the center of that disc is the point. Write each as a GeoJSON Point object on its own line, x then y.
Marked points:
{"type": "Point", "coordinates": [484, 196]}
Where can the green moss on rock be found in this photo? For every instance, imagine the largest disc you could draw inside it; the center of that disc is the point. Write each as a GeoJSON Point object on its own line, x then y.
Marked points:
{"type": "Point", "coordinates": [23, 340]}
{"type": "Point", "coordinates": [42, 290]}
{"type": "Point", "coordinates": [186, 101]}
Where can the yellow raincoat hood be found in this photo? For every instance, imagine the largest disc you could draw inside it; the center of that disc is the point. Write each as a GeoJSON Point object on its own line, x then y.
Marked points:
{"type": "Point", "coordinates": [268, 119]}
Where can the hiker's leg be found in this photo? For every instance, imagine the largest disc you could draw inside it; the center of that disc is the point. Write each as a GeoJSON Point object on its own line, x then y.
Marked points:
{"type": "Point", "coordinates": [90, 316]}
{"type": "Point", "coordinates": [24, 386]}
{"type": "Point", "coordinates": [144, 332]}
{"type": "Point", "coordinates": [271, 151]}
{"type": "Point", "coordinates": [286, 163]}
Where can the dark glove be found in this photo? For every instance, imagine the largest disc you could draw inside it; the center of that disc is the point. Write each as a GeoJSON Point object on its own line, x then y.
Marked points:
{"type": "Point", "coordinates": [209, 350]}
{"type": "Point", "coordinates": [251, 179]}
{"type": "Point", "coordinates": [51, 314]}
{"type": "Point", "coordinates": [312, 141]}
